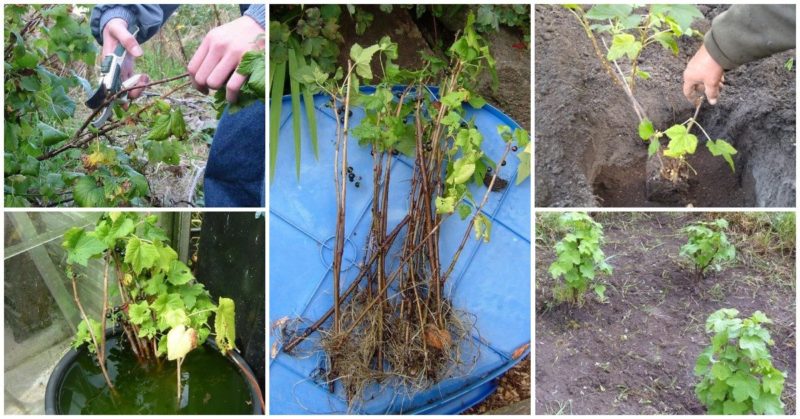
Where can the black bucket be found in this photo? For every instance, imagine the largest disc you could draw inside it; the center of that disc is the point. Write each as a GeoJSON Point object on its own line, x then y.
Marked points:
{"type": "Point", "coordinates": [59, 373]}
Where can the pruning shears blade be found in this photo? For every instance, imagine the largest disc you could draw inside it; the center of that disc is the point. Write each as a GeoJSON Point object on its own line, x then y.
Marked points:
{"type": "Point", "coordinates": [97, 98]}
{"type": "Point", "coordinates": [107, 111]}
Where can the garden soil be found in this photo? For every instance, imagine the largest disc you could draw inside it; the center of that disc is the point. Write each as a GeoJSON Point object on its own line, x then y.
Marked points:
{"type": "Point", "coordinates": [635, 354]}
{"type": "Point", "coordinates": [513, 391]}
{"type": "Point", "coordinates": [588, 152]}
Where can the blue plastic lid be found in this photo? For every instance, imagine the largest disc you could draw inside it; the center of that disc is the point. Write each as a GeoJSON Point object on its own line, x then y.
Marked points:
{"type": "Point", "coordinates": [491, 281]}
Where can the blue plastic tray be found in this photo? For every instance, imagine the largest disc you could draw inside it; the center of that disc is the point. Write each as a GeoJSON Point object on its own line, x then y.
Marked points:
{"type": "Point", "coordinates": [491, 280]}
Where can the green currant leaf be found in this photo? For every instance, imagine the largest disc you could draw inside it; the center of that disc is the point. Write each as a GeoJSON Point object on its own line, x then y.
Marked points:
{"type": "Point", "coordinates": [609, 11]}
{"type": "Point", "coordinates": [139, 313]}
{"type": "Point", "coordinates": [179, 273]}
{"type": "Point", "coordinates": [646, 129]}
{"type": "Point", "coordinates": [681, 142]}
{"type": "Point", "coordinates": [82, 246]}
{"type": "Point", "coordinates": [722, 148]}
{"type": "Point", "coordinates": [623, 44]}
{"type": "Point", "coordinates": [140, 255]}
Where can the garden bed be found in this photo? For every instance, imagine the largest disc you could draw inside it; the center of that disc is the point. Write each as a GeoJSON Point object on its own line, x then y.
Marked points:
{"type": "Point", "coordinates": [588, 152]}
{"type": "Point", "coordinates": [636, 353]}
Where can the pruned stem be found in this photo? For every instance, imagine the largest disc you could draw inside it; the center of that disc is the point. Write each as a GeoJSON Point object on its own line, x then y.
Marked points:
{"type": "Point", "coordinates": [179, 362]}
{"type": "Point", "coordinates": [595, 46]}
{"type": "Point", "coordinates": [340, 172]}
{"type": "Point", "coordinates": [95, 341]}
{"type": "Point", "coordinates": [101, 350]}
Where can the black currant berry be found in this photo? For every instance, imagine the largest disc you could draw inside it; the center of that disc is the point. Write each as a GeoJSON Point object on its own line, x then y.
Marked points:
{"type": "Point", "coordinates": [358, 184]}
{"type": "Point", "coordinates": [514, 148]}
{"type": "Point", "coordinates": [503, 163]}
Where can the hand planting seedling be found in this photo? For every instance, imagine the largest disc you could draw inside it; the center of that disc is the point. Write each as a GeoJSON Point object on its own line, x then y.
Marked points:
{"type": "Point", "coordinates": [708, 246]}
{"type": "Point", "coordinates": [164, 312]}
{"type": "Point", "coordinates": [633, 30]}
{"type": "Point", "coordinates": [579, 258]}
{"type": "Point", "coordinates": [736, 372]}
{"type": "Point", "coordinates": [394, 324]}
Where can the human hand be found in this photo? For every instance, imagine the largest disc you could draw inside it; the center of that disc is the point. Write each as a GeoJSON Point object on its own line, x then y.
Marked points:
{"type": "Point", "coordinates": [702, 75]}
{"type": "Point", "coordinates": [213, 65]}
{"type": "Point", "coordinates": [114, 33]}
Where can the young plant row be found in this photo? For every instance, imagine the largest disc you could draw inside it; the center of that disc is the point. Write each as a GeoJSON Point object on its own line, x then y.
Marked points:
{"type": "Point", "coordinates": [736, 372]}
{"type": "Point", "coordinates": [580, 259]}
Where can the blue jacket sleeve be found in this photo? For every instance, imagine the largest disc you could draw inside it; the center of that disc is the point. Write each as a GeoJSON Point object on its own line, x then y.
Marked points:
{"type": "Point", "coordinates": [148, 17]}
{"type": "Point", "coordinates": [258, 13]}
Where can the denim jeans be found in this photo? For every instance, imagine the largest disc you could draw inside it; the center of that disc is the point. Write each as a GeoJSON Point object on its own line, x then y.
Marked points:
{"type": "Point", "coordinates": [235, 171]}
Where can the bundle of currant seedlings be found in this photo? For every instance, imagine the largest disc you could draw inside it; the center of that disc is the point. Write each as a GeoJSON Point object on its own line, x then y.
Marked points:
{"type": "Point", "coordinates": [393, 325]}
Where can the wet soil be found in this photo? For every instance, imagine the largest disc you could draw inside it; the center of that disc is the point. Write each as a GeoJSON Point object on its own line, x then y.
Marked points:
{"type": "Point", "coordinates": [635, 354]}
{"type": "Point", "coordinates": [588, 152]}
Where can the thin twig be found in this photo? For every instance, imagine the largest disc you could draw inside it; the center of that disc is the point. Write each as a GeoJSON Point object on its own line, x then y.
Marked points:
{"type": "Point", "coordinates": [77, 141]}
{"type": "Point", "coordinates": [640, 113]}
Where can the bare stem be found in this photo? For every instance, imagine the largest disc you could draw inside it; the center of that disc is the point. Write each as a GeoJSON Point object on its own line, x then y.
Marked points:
{"type": "Point", "coordinates": [296, 340]}
{"type": "Point", "coordinates": [179, 362]}
{"type": "Point", "coordinates": [95, 340]}
{"type": "Point", "coordinates": [101, 350]}
{"type": "Point", "coordinates": [640, 114]}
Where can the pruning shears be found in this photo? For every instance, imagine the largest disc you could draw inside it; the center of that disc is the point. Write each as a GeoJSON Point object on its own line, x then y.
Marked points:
{"type": "Point", "coordinates": [111, 83]}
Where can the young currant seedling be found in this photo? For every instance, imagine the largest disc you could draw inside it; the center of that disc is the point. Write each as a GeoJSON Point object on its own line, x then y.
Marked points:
{"type": "Point", "coordinates": [632, 31]}
{"type": "Point", "coordinates": [708, 246]}
{"type": "Point", "coordinates": [579, 258]}
{"type": "Point", "coordinates": [736, 372]}
{"type": "Point", "coordinates": [682, 143]}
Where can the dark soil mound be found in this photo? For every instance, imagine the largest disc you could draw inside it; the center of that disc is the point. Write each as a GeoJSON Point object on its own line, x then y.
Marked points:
{"type": "Point", "coordinates": [588, 152]}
